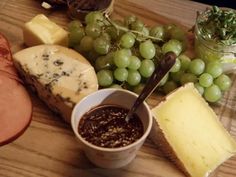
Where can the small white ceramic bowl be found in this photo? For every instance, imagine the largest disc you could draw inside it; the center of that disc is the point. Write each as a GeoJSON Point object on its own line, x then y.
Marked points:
{"type": "Point", "coordinates": [111, 157]}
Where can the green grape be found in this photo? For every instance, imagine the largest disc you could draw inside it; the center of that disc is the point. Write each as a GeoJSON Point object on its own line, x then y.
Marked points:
{"type": "Point", "coordinates": [199, 88]}
{"type": "Point", "coordinates": [176, 66]}
{"type": "Point", "coordinates": [197, 66]}
{"type": "Point", "coordinates": [172, 45]}
{"type": "Point", "coordinates": [100, 63]}
{"type": "Point", "coordinates": [185, 61]}
{"type": "Point", "coordinates": [113, 33]}
{"type": "Point", "coordinates": [73, 25]}
{"type": "Point", "coordinates": [177, 33]}
{"type": "Point", "coordinates": [135, 62]}
{"type": "Point", "coordinates": [94, 17]}
{"type": "Point", "coordinates": [169, 86]}
{"type": "Point", "coordinates": [212, 93]}
{"type": "Point", "coordinates": [75, 36]}
{"type": "Point", "coordinates": [128, 20]}
{"type": "Point", "coordinates": [86, 44]}
{"type": "Point", "coordinates": [158, 32]}
{"type": "Point", "coordinates": [93, 30]}
{"type": "Point", "coordinates": [134, 77]}
{"type": "Point", "coordinates": [176, 76]}
{"type": "Point", "coordinates": [127, 40]}
{"type": "Point", "coordinates": [147, 49]}
{"type": "Point", "coordinates": [115, 86]}
{"type": "Point", "coordinates": [187, 77]}
{"type": "Point", "coordinates": [106, 36]}
{"type": "Point", "coordinates": [164, 80]}
{"type": "Point", "coordinates": [137, 25]}
{"type": "Point", "coordinates": [145, 32]}
{"type": "Point", "coordinates": [128, 52]}
{"type": "Point", "coordinates": [206, 80]}
{"type": "Point", "coordinates": [223, 82]}
{"type": "Point", "coordinates": [121, 74]}
{"type": "Point", "coordinates": [214, 68]}
{"type": "Point", "coordinates": [138, 88]}
{"type": "Point", "coordinates": [105, 78]}
{"type": "Point", "coordinates": [110, 57]}
{"type": "Point", "coordinates": [121, 58]}
{"type": "Point", "coordinates": [103, 62]}
{"type": "Point", "coordinates": [168, 29]}
{"type": "Point", "coordinates": [101, 45]}
{"type": "Point", "coordinates": [147, 67]}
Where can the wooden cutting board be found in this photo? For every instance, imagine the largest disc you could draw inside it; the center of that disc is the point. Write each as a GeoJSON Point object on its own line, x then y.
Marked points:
{"type": "Point", "coordinates": [48, 147]}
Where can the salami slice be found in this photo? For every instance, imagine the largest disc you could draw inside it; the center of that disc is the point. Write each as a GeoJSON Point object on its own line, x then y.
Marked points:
{"type": "Point", "coordinates": [5, 51]}
{"type": "Point", "coordinates": [15, 103]}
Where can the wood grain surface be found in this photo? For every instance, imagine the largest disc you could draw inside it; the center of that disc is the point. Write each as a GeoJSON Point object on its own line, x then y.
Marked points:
{"type": "Point", "coordinates": [48, 148]}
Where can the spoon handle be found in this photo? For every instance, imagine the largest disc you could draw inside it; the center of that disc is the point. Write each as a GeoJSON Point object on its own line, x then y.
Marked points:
{"type": "Point", "coordinates": [161, 70]}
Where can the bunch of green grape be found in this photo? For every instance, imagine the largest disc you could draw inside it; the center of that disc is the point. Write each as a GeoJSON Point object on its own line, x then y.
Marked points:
{"type": "Point", "coordinates": [208, 78]}
{"type": "Point", "coordinates": [126, 52]}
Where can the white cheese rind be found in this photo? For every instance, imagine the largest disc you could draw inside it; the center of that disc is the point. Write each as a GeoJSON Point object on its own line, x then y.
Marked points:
{"type": "Point", "coordinates": [194, 134]}
{"type": "Point", "coordinates": [60, 76]}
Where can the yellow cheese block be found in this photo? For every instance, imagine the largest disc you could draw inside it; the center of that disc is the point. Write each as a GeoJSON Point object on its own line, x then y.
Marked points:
{"type": "Point", "coordinates": [190, 132]}
{"type": "Point", "coordinates": [40, 30]}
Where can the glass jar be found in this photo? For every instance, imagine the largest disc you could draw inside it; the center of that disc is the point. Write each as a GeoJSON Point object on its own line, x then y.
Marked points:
{"type": "Point", "coordinates": [209, 50]}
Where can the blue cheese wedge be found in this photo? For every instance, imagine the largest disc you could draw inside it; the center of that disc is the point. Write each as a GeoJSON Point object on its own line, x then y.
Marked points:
{"type": "Point", "coordinates": [60, 76]}
{"type": "Point", "coordinates": [190, 133]}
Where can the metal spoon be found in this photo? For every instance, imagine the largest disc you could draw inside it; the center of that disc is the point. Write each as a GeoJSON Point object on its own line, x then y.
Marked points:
{"type": "Point", "coordinates": [161, 70]}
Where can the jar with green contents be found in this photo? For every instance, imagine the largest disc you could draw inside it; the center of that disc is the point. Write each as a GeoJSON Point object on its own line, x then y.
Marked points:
{"type": "Point", "coordinates": [215, 37]}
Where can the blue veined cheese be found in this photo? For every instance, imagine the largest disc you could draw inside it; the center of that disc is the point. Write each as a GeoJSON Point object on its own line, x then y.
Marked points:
{"type": "Point", "coordinates": [60, 76]}
{"type": "Point", "coordinates": [190, 133]}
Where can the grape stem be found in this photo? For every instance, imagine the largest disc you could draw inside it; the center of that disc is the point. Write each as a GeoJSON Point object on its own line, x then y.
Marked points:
{"type": "Point", "coordinates": [118, 27]}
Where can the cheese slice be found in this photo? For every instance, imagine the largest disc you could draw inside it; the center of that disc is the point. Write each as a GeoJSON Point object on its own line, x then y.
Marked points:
{"type": "Point", "coordinates": [40, 30]}
{"type": "Point", "coordinates": [190, 132]}
{"type": "Point", "coordinates": [60, 76]}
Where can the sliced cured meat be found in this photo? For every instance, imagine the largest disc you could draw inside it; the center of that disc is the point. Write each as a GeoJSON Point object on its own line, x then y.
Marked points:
{"type": "Point", "coordinates": [5, 51]}
{"type": "Point", "coordinates": [9, 75]}
{"type": "Point", "coordinates": [6, 63]}
{"type": "Point", "coordinates": [15, 109]}
{"type": "Point", "coordinates": [15, 103]}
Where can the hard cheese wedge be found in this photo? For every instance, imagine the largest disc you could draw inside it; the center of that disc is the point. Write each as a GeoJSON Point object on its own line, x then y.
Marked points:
{"type": "Point", "coordinates": [40, 30]}
{"type": "Point", "coordinates": [188, 130]}
{"type": "Point", "coordinates": [60, 76]}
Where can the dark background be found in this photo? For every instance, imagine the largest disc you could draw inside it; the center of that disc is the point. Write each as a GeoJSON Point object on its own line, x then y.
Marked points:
{"type": "Point", "coordinates": [220, 3]}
